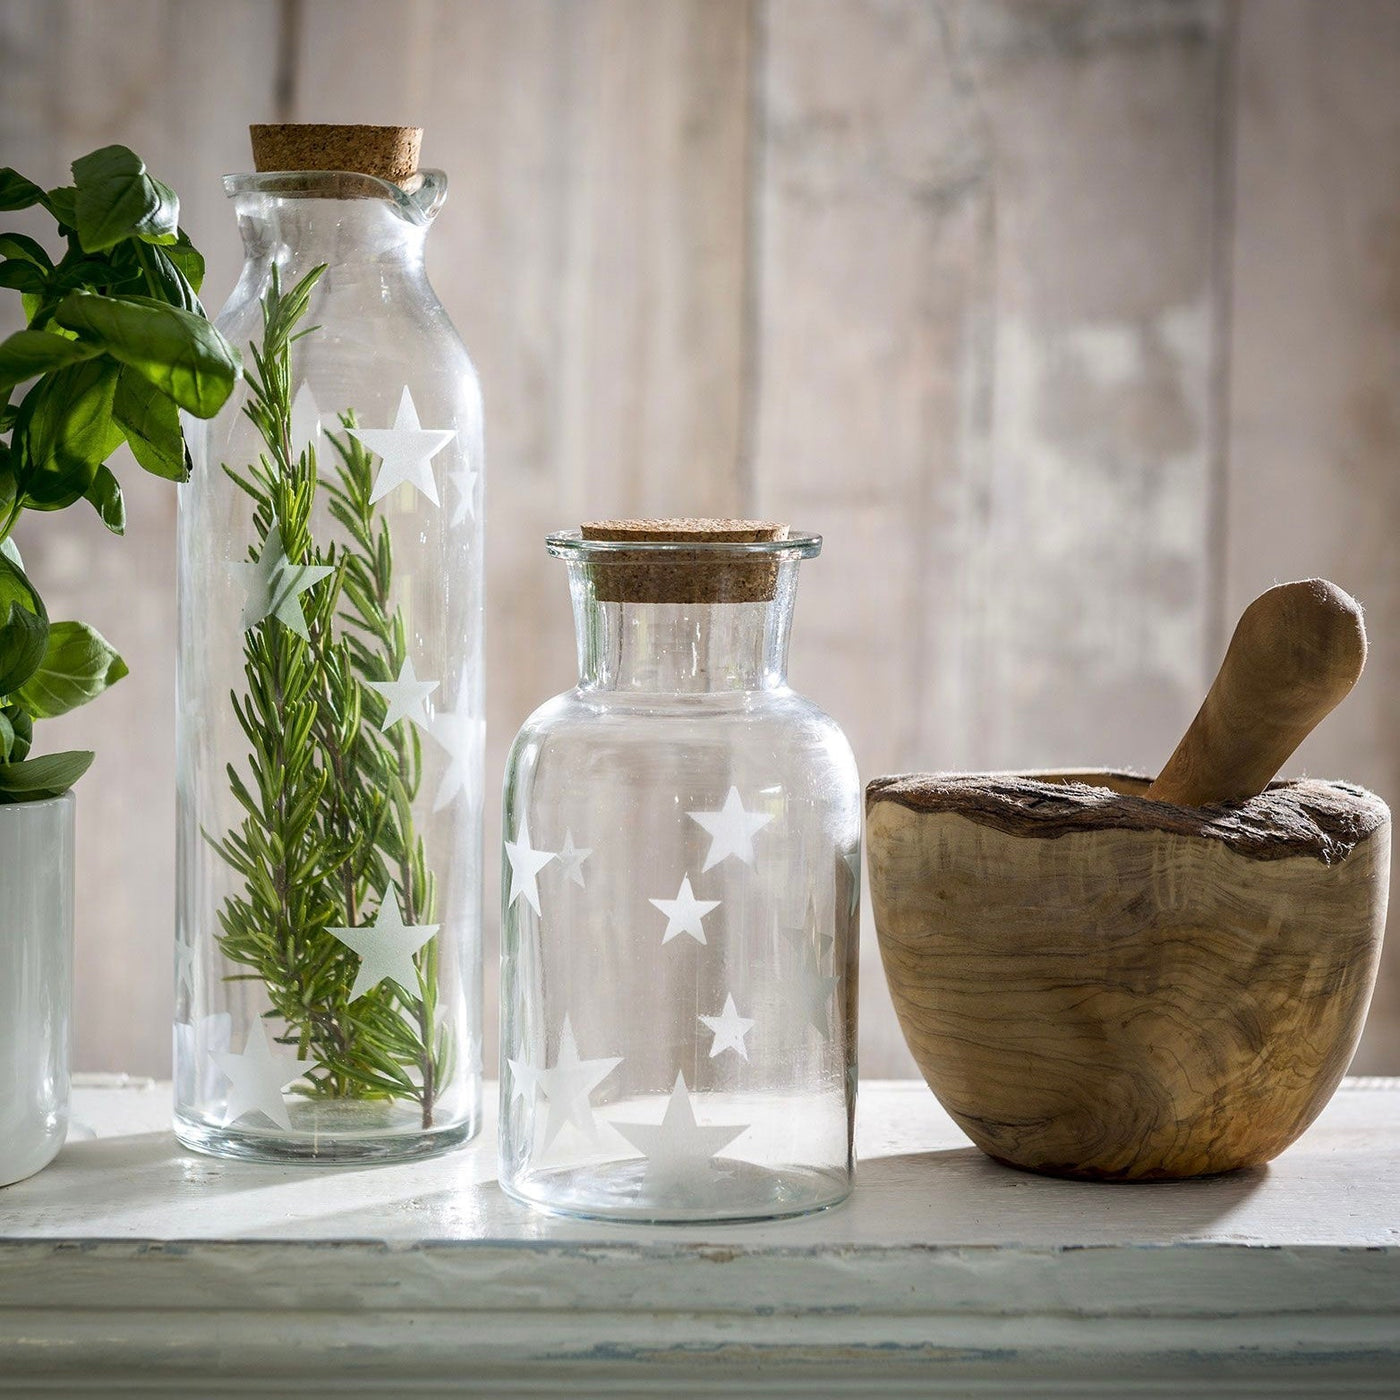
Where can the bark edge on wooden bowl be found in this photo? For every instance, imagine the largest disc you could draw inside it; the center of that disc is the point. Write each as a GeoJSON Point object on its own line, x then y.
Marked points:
{"type": "Point", "coordinates": [1099, 986]}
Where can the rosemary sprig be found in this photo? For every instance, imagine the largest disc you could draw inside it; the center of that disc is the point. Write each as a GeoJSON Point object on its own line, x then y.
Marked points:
{"type": "Point", "coordinates": [328, 829]}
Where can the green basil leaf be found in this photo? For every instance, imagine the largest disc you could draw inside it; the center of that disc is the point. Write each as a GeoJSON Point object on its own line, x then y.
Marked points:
{"type": "Point", "coordinates": [117, 199]}
{"type": "Point", "coordinates": [77, 665]}
{"type": "Point", "coordinates": [151, 423]}
{"type": "Point", "coordinates": [66, 420]}
{"type": "Point", "coordinates": [16, 192]}
{"type": "Point", "coordinates": [62, 203]}
{"type": "Point", "coordinates": [15, 586]}
{"type": "Point", "coordinates": [24, 631]}
{"type": "Point", "coordinates": [188, 259]}
{"type": "Point", "coordinates": [20, 245]}
{"type": "Point", "coordinates": [36, 778]}
{"type": "Point", "coordinates": [23, 726]}
{"type": "Point", "coordinates": [8, 485]}
{"type": "Point", "coordinates": [123, 270]}
{"type": "Point", "coordinates": [180, 353]}
{"type": "Point", "coordinates": [23, 639]}
{"type": "Point", "coordinates": [164, 280]}
{"type": "Point", "coordinates": [78, 273]}
{"type": "Point", "coordinates": [105, 495]}
{"type": "Point", "coordinates": [7, 737]}
{"type": "Point", "coordinates": [21, 276]}
{"type": "Point", "coordinates": [163, 225]}
{"type": "Point", "coordinates": [27, 353]}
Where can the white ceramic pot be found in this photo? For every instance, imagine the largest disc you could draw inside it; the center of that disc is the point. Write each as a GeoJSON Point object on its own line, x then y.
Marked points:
{"type": "Point", "coordinates": [36, 981]}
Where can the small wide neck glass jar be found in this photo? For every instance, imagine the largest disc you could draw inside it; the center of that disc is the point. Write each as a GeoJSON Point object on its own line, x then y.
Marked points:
{"type": "Point", "coordinates": [668, 645]}
{"type": "Point", "coordinates": [330, 726]}
{"type": "Point", "coordinates": [680, 895]}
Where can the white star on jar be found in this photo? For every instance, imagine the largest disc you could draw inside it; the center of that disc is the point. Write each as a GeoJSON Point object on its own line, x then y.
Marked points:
{"type": "Point", "coordinates": [568, 1083]}
{"type": "Point", "coordinates": [572, 857]}
{"type": "Point", "coordinates": [407, 696]}
{"type": "Point", "coordinates": [678, 1148]}
{"type": "Point", "coordinates": [386, 947]}
{"type": "Point", "coordinates": [523, 1081]}
{"type": "Point", "coordinates": [184, 965]}
{"type": "Point", "coordinates": [306, 421]}
{"type": "Point", "coordinates": [813, 988]}
{"type": "Point", "coordinates": [465, 484]}
{"type": "Point", "coordinates": [729, 1029]}
{"type": "Point", "coordinates": [731, 829]}
{"type": "Point", "coordinates": [525, 866]}
{"type": "Point", "coordinates": [462, 737]}
{"type": "Point", "coordinates": [257, 1078]}
{"type": "Point", "coordinates": [405, 451]}
{"type": "Point", "coordinates": [272, 584]}
{"type": "Point", "coordinates": [684, 913]}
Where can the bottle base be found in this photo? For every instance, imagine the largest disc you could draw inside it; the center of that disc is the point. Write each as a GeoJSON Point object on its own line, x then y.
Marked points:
{"type": "Point", "coordinates": [731, 1192]}
{"type": "Point", "coordinates": [322, 1149]}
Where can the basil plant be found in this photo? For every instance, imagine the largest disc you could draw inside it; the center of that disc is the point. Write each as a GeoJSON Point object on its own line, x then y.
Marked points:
{"type": "Point", "coordinates": [116, 344]}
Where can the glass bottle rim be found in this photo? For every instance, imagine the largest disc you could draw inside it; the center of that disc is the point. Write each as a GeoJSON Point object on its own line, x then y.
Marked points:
{"type": "Point", "coordinates": [417, 200]}
{"type": "Point", "coordinates": [570, 545]}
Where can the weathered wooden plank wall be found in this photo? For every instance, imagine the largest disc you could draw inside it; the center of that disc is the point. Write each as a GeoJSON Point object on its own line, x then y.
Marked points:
{"type": "Point", "coordinates": [1071, 323]}
{"type": "Point", "coordinates": [1314, 361]}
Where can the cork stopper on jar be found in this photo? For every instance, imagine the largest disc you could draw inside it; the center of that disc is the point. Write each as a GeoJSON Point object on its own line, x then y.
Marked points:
{"type": "Point", "coordinates": [386, 152]}
{"type": "Point", "coordinates": [678, 575]}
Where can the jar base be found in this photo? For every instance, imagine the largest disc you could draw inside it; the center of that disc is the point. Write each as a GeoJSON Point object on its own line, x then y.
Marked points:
{"type": "Point", "coordinates": [733, 1191]}
{"type": "Point", "coordinates": [321, 1150]}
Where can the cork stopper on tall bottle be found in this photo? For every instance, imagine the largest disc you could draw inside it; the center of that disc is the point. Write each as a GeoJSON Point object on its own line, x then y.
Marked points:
{"type": "Point", "coordinates": [680, 575]}
{"type": "Point", "coordinates": [386, 152]}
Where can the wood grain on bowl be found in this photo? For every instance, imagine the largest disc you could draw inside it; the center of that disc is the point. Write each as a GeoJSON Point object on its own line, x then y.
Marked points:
{"type": "Point", "coordinates": [1101, 986]}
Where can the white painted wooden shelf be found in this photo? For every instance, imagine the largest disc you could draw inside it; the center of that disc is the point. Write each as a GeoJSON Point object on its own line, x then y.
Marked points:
{"type": "Point", "coordinates": [131, 1265]}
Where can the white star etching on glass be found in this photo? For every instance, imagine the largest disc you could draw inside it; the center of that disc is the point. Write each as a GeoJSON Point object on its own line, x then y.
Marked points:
{"type": "Point", "coordinates": [465, 484]}
{"type": "Point", "coordinates": [684, 913]}
{"type": "Point", "coordinates": [184, 965]}
{"type": "Point", "coordinates": [852, 859]}
{"type": "Point", "coordinates": [568, 1084]}
{"type": "Point", "coordinates": [525, 866]}
{"type": "Point", "coordinates": [731, 829]}
{"type": "Point", "coordinates": [461, 736]}
{"type": "Point", "coordinates": [813, 987]}
{"type": "Point", "coordinates": [572, 857]}
{"type": "Point", "coordinates": [407, 696]}
{"type": "Point", "coordinates": [677, 1149]}
{"type": "Point", "coordinates": [386, 947]}
{"type": "Point", "coordinates": [272, 585]}
{"type": "Point", "coordinates": [405, 451]}
{"type": "Point", "coordinates": [196, 1043]}
{"type": "Point", "coordinates": [306, 421]}
{"type": "Point", "coordinates": [523, 1081]}
{"type": "Point", "coordinates": [729, 1029]}
{"type": "Point", "coordinates": [257, 1077]}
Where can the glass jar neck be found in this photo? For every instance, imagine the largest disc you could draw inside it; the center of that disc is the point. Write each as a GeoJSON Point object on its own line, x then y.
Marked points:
{"type": "Point", "coordinates": [299, 232]}
{"type": "Point", "coordinates": [681, 648]}
{"type": "Point", "coordinates": [297, 220]}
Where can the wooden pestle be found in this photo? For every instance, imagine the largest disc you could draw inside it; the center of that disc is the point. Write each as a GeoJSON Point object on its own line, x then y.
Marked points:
{"type": "Point", "coordinates": [1296, 652]}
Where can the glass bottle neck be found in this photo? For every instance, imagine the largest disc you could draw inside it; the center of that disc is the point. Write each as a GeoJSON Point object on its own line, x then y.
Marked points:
{"type": "Point", "coordinates": [681, 648]}
{"type": "Point", "coordinates": [299, 232]}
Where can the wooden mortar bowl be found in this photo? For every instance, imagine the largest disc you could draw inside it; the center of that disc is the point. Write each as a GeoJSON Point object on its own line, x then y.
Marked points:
{"type": "Point", "coordinates": [1099, 986]}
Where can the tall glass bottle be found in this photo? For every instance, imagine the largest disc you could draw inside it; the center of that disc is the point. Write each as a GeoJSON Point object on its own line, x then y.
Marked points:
{"type": "Point", "coordinates": [680, 890]}
{"type": "Point", "coordinates": [329, 723]}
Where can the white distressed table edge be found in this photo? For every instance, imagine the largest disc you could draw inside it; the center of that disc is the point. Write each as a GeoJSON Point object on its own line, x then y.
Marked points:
{"type": "Point", "coordinates": [832, 1305]}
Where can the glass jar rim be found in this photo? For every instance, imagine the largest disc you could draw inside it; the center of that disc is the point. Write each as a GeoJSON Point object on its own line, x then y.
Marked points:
{"type": "Point", "coordinates": [570, 545]}
{"type": "Point", "coordinates": [417, 200]}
